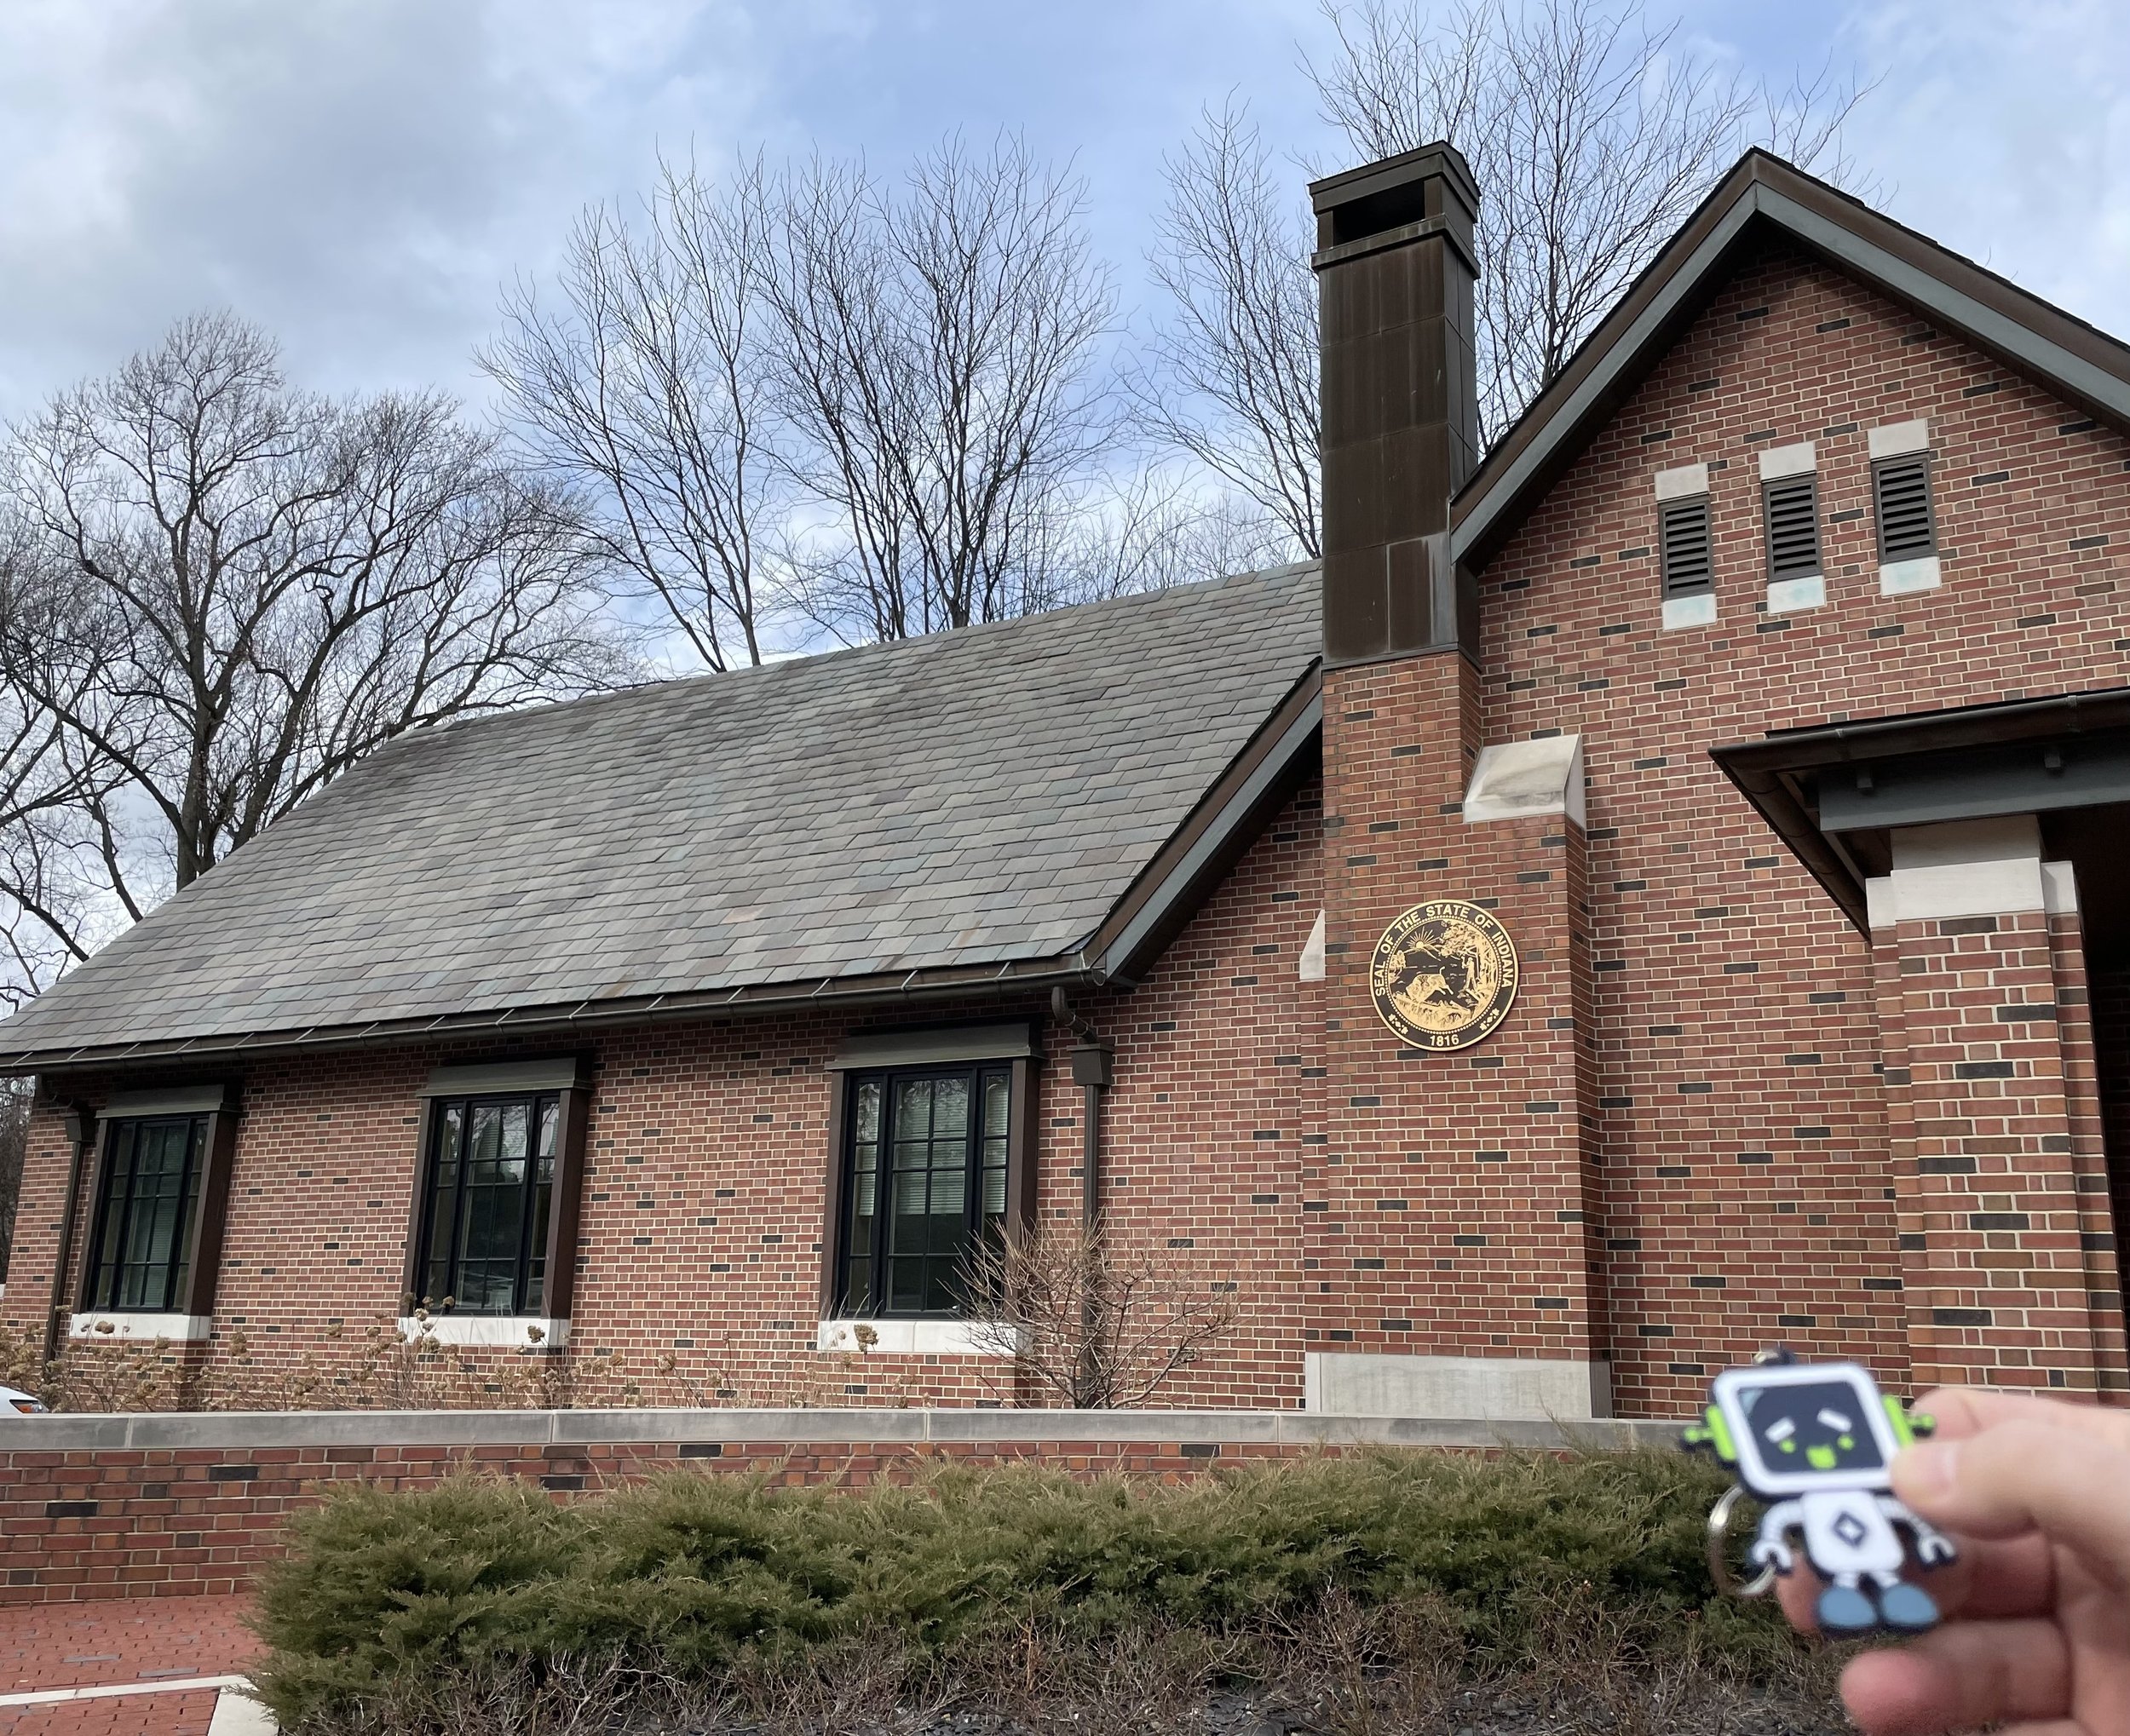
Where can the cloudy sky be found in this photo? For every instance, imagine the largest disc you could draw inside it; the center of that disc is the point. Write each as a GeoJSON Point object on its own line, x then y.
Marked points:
{"type": "Point", "coordinates": [363, 175]}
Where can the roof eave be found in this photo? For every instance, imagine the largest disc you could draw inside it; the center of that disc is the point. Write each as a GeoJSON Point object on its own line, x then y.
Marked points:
{"type": "Point", "coordinates": [1015, 976]}
{"type": "Point", "coordinates": [1150, 912]}
{"type": "Point", "coordinates": [2078, 361]}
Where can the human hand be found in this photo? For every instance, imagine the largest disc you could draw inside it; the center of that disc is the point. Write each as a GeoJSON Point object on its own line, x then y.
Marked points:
{"type": "Point", "coordinates": [1932, 1547]}
{"type": "Point", "coordinates": [2037, 1635]}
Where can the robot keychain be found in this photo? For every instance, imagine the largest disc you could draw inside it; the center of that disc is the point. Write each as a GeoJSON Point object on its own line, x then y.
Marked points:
{"type": "Point", "coordinates": [1814, 1440]}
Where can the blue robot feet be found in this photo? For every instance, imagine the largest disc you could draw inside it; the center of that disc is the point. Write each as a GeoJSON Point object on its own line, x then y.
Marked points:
{"type": "Point", "coordinates": [1907, 1607]}
{"type": "Point", "coordinates": [1843, 1609]}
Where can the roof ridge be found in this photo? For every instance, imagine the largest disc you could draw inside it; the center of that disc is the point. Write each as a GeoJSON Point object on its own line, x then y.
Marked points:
{"type": "Point", "coordinates": [913, 645]}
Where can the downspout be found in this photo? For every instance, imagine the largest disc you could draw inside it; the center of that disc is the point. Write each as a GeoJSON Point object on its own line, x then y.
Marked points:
{"type": "Point", "coordinates": [81, 1134]}
{"type": "Point", "coordinates": [1092, 1059]}
{"type": "Point", "coordinates": [1090, 1072]}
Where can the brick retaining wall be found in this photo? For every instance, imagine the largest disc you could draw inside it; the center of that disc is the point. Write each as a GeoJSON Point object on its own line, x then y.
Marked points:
{"type": "Point", "coordinates": [164, 1505]}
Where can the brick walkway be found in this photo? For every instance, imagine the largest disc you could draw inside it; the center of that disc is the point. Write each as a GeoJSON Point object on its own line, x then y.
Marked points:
{"type": "Point", "coordinates": [143, 1641]}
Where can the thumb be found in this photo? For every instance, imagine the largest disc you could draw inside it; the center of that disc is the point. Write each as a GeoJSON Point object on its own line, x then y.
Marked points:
{"type": "Point", "coordinates": [2025, 1476]}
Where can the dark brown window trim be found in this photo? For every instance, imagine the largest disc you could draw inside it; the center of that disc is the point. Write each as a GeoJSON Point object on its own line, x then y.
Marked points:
{"type": "Point", "coordinates": [1023, 1141]}
{"type": "Point", "coordinates": [218, 1104]}
{"type": "Point", "coordinates": [571, 1080]}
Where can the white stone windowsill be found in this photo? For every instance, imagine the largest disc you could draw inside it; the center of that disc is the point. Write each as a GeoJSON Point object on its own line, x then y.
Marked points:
{"type": "Point", "coordinates": [1698, 611]}
{"type": "Point", "coordinates": [1899, 579]}
{"type": "Point", "coordinates": [119, 1324]}
{"type": "Point", "coordinates": [1792, 596]}
{"type": "Point", "coordinates": [508, 1331]}
{"type": "Point", "coordinates": [906, 1338]}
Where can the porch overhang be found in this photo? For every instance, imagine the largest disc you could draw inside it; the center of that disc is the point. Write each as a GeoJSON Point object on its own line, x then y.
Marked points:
{"type": "Point", "coordinates": [1832, 792]}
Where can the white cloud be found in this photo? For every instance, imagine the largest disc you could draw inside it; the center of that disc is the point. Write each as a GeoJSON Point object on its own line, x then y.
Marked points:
{"type": "Point", "coordinates": [2004, 132]}
{"type": "Point", "coordinates": [358, 174]}
{"type": "Point", "coordinates": [362, 175]}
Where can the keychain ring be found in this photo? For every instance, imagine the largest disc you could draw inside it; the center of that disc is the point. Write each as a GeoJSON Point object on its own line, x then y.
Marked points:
{"type": "Point", "coordinates": [1719, 1567]}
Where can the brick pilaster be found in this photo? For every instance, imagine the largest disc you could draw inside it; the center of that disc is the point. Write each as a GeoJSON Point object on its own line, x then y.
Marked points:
{"type": "Point", "coordinates": [1990, 1213]}
{"type": "Point", "coordinates": [1451, 1214]}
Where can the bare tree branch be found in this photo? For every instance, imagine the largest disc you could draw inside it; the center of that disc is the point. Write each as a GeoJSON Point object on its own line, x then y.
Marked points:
{"type": "Point", "coordinates": [651, 391]}
{"type": "Point", "coordinates": [1097, 1322]}
{"type": "Point", "coordinates": [1231, 374]}
{"type": "Point", "coordinates": [939, 342]}
{"type": "Point", "coordinates": [1592, 135]}
{"type": "Point", "coordinates": [221, 593]}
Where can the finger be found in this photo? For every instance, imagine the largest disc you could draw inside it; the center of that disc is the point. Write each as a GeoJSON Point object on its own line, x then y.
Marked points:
{"type": "Point", "coordinates": [1798, 1595]}
{"type": "Point", "coordinates": [1959, 1412]}
{"type": "Point", "coordinates": [1960, 1677]}
{"type": "Point", "coordinates": [1992, 1579]}
{"type": "Point", "coordinates": [2019, 1476]}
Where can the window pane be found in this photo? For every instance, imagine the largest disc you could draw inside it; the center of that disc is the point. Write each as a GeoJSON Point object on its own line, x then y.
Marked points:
{"type": "Point", "coordinates": [997, 1123]}
{"type": "Point", "coordinates": [859, 1219]}
{"type": "Point", "coordinates": [929, 1152]}
{"type": "Point", "coordinates": [491, 1198]}
{"type": "Point", "coordinates": [548, 1113]}
{"type": "Point", "coordinates": [118, 1190]}
{"type": "Point", "coordinates": [142, 1253]}
{"type": "Point", "coordinates": [435, 1268]}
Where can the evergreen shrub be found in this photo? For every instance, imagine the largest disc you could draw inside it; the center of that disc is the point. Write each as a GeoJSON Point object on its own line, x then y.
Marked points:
{"type": "Point", "coordinates": [688, 1573]}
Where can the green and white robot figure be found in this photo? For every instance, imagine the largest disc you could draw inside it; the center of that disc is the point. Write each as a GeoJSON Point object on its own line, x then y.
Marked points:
{"type": "Point", "coordinates": [1814, 1441]}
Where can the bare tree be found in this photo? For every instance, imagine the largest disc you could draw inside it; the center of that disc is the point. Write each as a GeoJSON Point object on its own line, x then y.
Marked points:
{"type": "Point", "coordinates": [1146, 530]}
{"type": "Point", "coordinates": [651, 388]}
{"type": "Point", "coordinates": [223, 592]}
{"type": "Point", "coordinates": [1592, 135]}
{"type": "Point", "coordinates": [45, 792]}
{"type": "Point", "coordinates": [939, 342]}
{"type": "Point", "coordinates": [1097, 1323]}
{"type": "Point", "coordinates": [1231, 373]}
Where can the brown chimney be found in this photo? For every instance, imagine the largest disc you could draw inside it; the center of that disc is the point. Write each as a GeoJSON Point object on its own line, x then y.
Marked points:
{"type": "Point", "coordinates": [1401, 407]}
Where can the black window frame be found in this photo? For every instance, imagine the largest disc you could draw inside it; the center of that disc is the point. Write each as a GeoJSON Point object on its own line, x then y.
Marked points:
{"type": "Point", "coordinates": [537, 1230]}
{"type": "Point", "coordinates": [1776, 493]}
{"type": "Point", "coordinates": [103, 1265]}
{"type": "Point", "coordinates": [1920, 463]}
{"type": "Point", "coordinates": [1670, 512]}
{"type": "Point", "coordinates": [844, 1302]}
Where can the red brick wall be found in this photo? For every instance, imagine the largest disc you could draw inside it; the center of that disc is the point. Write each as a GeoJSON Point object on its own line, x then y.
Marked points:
{"type": "Point", "coordinates": [1724, 1163]}
{"type": "Point", "coordinates": [1744, 1140]}
{"type": "Point", "coordinates": [699, 1267]}
{"type": "Point", "coordinates": [154, 1523]}
{"type": "Point", "coordinates": [1455, 1187]}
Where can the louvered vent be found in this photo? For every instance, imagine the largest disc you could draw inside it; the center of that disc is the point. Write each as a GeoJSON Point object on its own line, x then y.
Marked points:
{"type": "Point", "coordinates": [1793, 511]}
{"type": "Point", "coordinates": [1907, 528]}
{"type": "Point", "coordinates": [1682, 530]}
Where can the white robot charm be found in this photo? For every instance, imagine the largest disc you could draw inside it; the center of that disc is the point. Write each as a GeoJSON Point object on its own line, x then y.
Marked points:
{"type": "Point", "coordinates": [1814, 1441]}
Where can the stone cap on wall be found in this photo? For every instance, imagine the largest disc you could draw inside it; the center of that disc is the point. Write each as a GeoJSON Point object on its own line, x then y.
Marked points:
{"type": "Point", "coordinates": [193, 1431]}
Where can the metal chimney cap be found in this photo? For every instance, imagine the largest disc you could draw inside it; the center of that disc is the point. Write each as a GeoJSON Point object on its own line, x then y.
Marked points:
{"type": "Point", "coordinates": [1440, 159]}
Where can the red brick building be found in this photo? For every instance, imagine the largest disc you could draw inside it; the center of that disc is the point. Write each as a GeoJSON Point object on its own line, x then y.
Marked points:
{"type": "Point", "coordinates": [1657, 889]}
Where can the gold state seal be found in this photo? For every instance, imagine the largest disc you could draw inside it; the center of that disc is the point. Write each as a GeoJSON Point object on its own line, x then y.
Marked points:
{"type": "Point", "coordinates": [1444, 974]}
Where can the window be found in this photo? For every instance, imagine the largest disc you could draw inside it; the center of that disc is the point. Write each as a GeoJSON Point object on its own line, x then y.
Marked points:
{"type": "Point", "coordinates": [927, 1154]}
{"type": "Point", "coordinates": [140, 1254]}
{"type": "Point", "coordinates": [1901, 488]}
{"type": "Point", "coordinates": [489, 1202]}
{"type": "Point", "coordinates": [1682, 534]}
{"type": "Point", "coordinates": [1791, 507]}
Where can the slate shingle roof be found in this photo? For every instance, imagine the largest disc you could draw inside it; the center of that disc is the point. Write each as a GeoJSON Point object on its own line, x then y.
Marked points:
{"type": "Point", "coordinates": [973, 798]}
